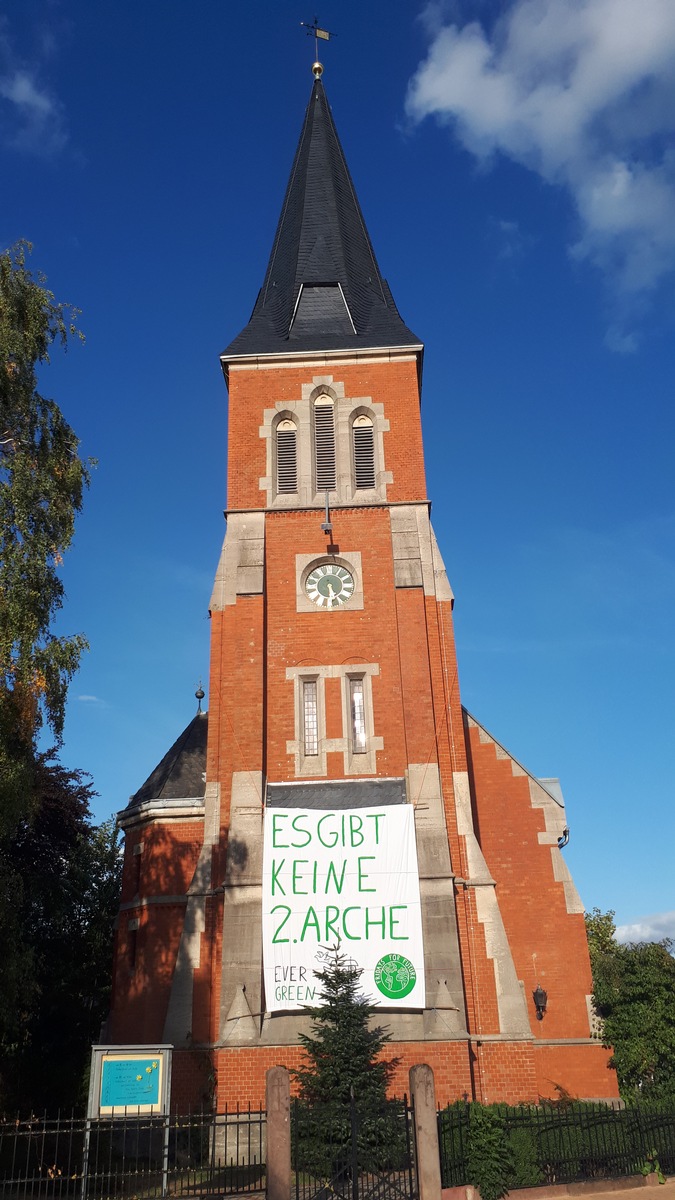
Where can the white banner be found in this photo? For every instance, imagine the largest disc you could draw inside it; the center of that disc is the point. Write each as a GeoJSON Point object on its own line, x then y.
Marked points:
{"type": "Point", "coordinates": [347, 877]}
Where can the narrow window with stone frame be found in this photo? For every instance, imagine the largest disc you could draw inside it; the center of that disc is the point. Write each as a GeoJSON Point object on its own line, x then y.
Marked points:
{"type": "Point", "coordinates": [310, 718]}
{"type": "Point", "coordinates": [324, 444]}
{"type": "Point", "coordinates": [363, 452]}
{"type": "Point", "coordinates": [357, 708]}
{"type": "Point", "coordinates": [287, 457]}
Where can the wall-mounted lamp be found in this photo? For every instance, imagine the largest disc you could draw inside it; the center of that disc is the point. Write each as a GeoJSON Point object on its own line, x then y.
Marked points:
{"type": "Point", "coordinates": [540, 998]}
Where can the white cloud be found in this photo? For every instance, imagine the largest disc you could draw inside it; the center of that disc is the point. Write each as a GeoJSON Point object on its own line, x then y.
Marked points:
{"type": "Point", "coordinates": [648, 929]}
{"type": "Point", "coordinates": [620, 340]}
{"type": "Point", "coordinates": [31, 117]}
{"type": "Point", "coordinates": [583, 93]}
{"type": "Point", "coordinates": [509, 240]}
{"type": "Point", "coordinates": [92, 700]}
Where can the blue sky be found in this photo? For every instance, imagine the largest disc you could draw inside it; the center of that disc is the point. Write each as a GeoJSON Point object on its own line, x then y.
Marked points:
{"type": "Point", "coordinates": [513, 163]}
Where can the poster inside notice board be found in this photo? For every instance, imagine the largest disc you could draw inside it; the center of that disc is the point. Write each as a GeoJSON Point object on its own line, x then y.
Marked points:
{"type": "Point", "coordinates": [131, 1080]}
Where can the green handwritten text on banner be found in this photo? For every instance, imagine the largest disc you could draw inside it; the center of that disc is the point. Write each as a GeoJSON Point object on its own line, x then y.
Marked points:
{"type": "Point", "coordinates": [347, 877]}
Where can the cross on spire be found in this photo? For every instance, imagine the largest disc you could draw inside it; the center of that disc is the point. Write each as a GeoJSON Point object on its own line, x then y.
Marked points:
{"type": "Point", "coordinates": [325, 36]}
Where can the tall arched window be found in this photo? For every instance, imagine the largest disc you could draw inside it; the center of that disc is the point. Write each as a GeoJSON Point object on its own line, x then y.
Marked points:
{"type": "Point", "coordinates": [287, 457]}
{"type": "Point", "coordinates": [310, 718]}
{"type": "Point", "coordinates": [363, 446]}
{"type": "Point", "coordinates": [324, 444]}
{"type": "Point", "coordinates": [357, 706]}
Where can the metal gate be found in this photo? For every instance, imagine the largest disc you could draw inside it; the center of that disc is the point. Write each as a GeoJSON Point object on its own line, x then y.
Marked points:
{"type": "Point", "coordinates": [352, 1152]}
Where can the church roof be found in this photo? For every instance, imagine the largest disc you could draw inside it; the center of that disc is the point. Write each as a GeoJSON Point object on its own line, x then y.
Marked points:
{"type": "Point", "coordinates": [323, 289]}
{"type": "Point", "coordinates": [181, 773]}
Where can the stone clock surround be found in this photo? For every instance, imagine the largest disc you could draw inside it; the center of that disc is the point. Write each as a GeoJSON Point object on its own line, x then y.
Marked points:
{"type": "Point", "coordinates": [305, 564]}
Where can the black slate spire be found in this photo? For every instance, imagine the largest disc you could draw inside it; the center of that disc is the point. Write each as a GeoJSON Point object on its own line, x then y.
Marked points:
{"type": "Point", "coordinates": [323, 289]}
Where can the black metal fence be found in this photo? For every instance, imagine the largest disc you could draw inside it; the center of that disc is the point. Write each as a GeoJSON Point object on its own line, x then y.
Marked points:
{"type": "Point", "coordinates": [561, 1143]}
{"type": "Point", "coordinates": [338, 1153]}
{"type": "Point", "coordinates": [198, 1155]}
{"type": "Point", "coordinates": [354, 1152]}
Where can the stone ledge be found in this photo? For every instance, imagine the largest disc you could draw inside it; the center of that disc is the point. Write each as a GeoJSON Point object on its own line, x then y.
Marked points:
{"type": "Point", "coordinates": [607, 1187]}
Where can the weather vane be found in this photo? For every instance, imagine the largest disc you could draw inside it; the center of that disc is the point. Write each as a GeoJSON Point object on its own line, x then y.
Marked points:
{"type": "Point", "coordinates": [315, 31]}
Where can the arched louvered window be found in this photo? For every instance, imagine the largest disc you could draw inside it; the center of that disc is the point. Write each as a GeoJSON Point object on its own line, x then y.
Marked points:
{"type": "Point", "coordinates": [363, 441]}
{"type": "Point", "coordinates": [324, 444]}
{"type": "Point", "coordinates": [287, 457]}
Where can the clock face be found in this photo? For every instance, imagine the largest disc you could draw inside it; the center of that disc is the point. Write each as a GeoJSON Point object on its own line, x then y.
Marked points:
{"type": "Point", "coordinates": [329, 585]}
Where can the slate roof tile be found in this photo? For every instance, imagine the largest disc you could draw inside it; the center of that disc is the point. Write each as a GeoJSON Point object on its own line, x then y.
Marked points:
{"type": "Point", "coordinates": [180, 775]}
{"type": "Point", "coordinates": [321, 241]}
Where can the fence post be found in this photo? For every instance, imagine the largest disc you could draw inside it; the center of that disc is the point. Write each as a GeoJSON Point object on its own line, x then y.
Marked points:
{"type": "Point", "coordinates": [428, 1158]}
{"type": "Point", "coordinates": [165, 1156]}
{"type": "Point", "coordinates": [278, 1104]}
{"type": "Point", "coordinates": [354, 1145]}
{"type": "Point", "coordinates": [85, 1158]}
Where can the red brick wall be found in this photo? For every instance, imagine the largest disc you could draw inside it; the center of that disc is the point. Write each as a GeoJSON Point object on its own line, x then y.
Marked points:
{"type": "Point", "coordinates": [450, 1062]}
{"type": "Point", "coordinates": [478, 971]}
{"type": "Point", "coordinates": [393, 384]}
{"type": "Point", "coordinates": [504, 1071]}
{"type": "Point", "coordinates": [419, 731]}
{"type": "Point", "coordinates": [580, 1070]}
{"type": "Point", "coordinates": [241, 1071]}
{"type": "Point", "coordinates": [513, 1073]}
{"type": "Point", "coordinates": [235, 740]}
{"type": "Point", "coordinates": [335, 638]}
{"type": "Point", "coordinates": [547, 942]}
{"type": "Point", "coordinates": [141, 993]}
{"type": "Point", "coordinates": [192, 1081]}
{"type": "Point", "coordinates": [167, 861]}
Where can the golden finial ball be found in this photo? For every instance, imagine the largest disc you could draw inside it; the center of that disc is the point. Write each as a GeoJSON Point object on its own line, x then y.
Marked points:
{"type": "Point", "coordinates": [317, 70]}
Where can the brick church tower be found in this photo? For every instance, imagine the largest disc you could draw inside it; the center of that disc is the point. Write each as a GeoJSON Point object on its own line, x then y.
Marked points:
{"type": "Point", "coordinates": [337, 790]}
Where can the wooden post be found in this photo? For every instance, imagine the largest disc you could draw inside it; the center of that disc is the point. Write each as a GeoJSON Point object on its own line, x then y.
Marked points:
{"type": "Point", "coordinates": [423, 1096]}
{"type": "Point", "coordinates": [278, 1104]}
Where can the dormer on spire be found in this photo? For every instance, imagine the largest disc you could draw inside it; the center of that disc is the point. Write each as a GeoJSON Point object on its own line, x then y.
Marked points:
{"type": "Point", "coordinates": [323, 289]}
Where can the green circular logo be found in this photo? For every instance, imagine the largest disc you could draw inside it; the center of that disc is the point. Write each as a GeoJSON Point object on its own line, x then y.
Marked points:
{"type": "Point", "coordinates": [395, 976]}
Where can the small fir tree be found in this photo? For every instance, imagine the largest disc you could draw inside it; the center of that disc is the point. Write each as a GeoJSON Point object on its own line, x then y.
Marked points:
{"type": "Point", "coordinates": [344, 1050]}
{"type": "Point", "coordinates": [342, 1107]}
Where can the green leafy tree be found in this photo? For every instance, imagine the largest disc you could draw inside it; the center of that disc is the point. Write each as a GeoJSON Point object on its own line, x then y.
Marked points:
{"type": "Point", "coordinates": [600, 931]}
{"type": "Point", "coordinates": [62, 875]}
{"type": "Point", "coordinates": [343, 1084]}
{"type": "Point", "coordinates": [489, 1162]}
{"type": "Point", "coordinates": [42, 479]}
{"type": "Point", "coordinates": [634, 994]}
